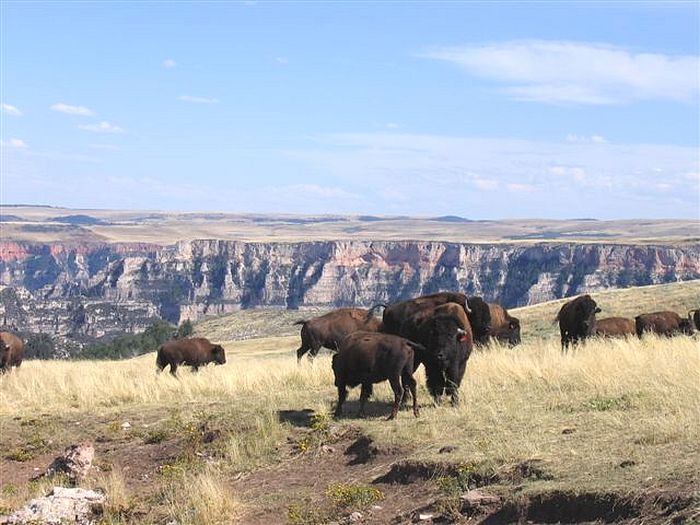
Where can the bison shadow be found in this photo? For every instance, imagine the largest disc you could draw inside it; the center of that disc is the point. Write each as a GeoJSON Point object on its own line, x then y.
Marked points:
{"type": "Point", "coordinates": [298, 418]}
{"type": "Point", "coordinates": [373, 408]}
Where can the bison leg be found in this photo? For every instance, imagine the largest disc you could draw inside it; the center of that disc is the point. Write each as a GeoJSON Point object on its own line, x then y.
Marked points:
{"type": "Point", "coordinates": [195, 369]}
{"type": "Point", "coordinates": [301, 351]}
{"type": "Point", "coordinates": [398, 394]}
{"type": "Point", "coordinates": [409, 384]}
{"type": "Point", "coordinates": [365, 394]}
{"type": "Point", "coordinates": [173, 369]}
{"type": "Point", "coordinates": [342, 396]}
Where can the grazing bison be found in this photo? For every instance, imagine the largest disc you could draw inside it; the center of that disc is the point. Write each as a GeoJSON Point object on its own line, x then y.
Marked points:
{"type": "Point", "coordinates": [504, 327]}
{"type": "Point", "coordinates": [330, 329]}
{"type": "Point", "coordinates": [614, 327]}
{"type": "Point", "coordinates": [193, 352]}
{"type": "Point", "coordinates": [11, 351]}
{"type": "Point", "coordinates": [663, 323]}
{"type": "Point", "coordinates": [445, 333]}
{"type": "Point", "coordinates": [365, 358]}
{"type": "Point", "coordinates": [576, 320]}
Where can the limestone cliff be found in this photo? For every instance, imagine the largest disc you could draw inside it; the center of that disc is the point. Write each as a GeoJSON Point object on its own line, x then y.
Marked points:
{"type": "Point", "coordinates": [98, 289]}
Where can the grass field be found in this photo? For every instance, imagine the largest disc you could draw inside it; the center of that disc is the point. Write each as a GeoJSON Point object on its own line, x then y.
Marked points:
{"type": "Point", "coordinates": [612, 423]}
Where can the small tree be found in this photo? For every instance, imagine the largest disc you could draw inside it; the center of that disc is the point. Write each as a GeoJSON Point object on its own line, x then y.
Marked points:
{"type": "Point", "coordinates": [184, 330]}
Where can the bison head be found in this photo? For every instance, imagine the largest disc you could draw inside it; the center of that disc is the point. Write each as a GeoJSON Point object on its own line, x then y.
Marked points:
{"type": "Point", "coordinates": [686, 326]}
{"type": "Point", "coordinates": [586, 308]}
{"type": "Point", "coordinates": [217, 352]}
{"type": "Point", "coordinates": [448, 340]}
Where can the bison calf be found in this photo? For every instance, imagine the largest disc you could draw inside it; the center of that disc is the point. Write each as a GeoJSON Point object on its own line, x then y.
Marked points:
{"type": "Point", "coordinates": [365, 358]}
{"type": "Point", "coordinates": [193, 352]}
{"type": "Point", "coordinates": [11, 351]}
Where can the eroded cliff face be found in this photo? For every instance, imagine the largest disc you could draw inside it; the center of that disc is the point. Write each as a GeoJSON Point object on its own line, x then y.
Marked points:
{"type": "Point", "coordinates": [93, 289]}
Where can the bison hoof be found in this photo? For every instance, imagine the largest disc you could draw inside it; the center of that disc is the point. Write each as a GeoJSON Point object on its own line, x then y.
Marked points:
{"type": "Point", "coordinates": [416, 413]}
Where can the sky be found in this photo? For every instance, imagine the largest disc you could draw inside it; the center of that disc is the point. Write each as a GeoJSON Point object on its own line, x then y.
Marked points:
{"type": "Point", "coordinates": [486, 110]}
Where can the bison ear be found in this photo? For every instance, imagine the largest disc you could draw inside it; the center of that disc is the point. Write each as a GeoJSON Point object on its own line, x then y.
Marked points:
{"type": "Point", "coordinates": [512, 325]}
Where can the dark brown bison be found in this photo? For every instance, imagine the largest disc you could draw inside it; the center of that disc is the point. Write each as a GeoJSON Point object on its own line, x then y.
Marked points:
{"type": "Point", "coordinates": [662, 323]}
{"type": "Point", "coordinates": [504, 327]}
{"type": "Point", "coordinates": [445, 333]}
{"type": "Point", "coordinates": [193, 352]}
{"type": "Point", "coordinates": [330, 329]}
{"type": "Point", "coordinates": [614, 327]}
{"type": "Point", "coordinates": [365, 358]}
{"type": "Point", "coordinates": [11, 351]}
{"type": "Point", "coordinates": [477, 311]}
{"type": "Point", "coordinates": [577, 320]}
{"type": "Point", "coordinates": [694, 315]}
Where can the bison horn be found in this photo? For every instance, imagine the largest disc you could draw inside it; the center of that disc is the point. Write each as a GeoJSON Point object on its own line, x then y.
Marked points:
{"type": "Point", "coordinates": [466, 306]}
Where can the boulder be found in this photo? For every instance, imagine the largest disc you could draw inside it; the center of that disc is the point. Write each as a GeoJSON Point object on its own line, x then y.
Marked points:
{"type": "Point", "coordinates": [61, 506]}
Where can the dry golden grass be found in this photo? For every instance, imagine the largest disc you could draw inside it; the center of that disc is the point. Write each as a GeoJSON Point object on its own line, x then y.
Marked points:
{"type": "Point", "coordinates": [626, 400]}
{"type": "Point", "coordinates": [609, 415]}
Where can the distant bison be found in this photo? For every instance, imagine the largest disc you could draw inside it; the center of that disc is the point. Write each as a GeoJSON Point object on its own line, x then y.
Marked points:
{"type": "Point", "coordinates": [577, 320]}
{"type": "Point", "coordinates": [11, 351]}
{"type": "Point", "coordinates": [504, 327]}
{"type": "Point", "coordinates": [193, 352]}
{"type": "Point", "coordinates": [365, 358]}
{"type": "Point", "coordinates": [663, 323]}
{"type": "Point", "coordinates": [614, 327]}
{"type": "Point", "coordinates": [330, 329]}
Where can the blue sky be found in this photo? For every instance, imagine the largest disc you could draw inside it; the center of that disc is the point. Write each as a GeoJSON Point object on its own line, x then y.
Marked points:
{"type": "Point", "coordinates": [484, 110]}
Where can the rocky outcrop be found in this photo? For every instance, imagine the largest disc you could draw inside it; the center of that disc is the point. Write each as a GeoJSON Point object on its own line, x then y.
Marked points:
{"type": "Point", "coordinates": [60, 507]}
{"type": "Point", "coordinates": [99, 289]}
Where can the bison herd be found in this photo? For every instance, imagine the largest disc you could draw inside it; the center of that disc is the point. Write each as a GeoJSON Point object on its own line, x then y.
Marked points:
{"type": "Point", "coordinates": [438, 331]}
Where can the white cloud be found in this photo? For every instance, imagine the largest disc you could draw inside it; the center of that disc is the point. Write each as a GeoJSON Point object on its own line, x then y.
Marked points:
{"type": "Point", "coordinates": [169, 63]}
{"type": "Point", "coordinates": [314, 190]}
{"type": "Point", "coordinates": [486, 177]}
{"type": "Point", "coordinates": [9, 109]}
{"type": "Point", "coordinates": [199, 100]}
{"type": "Point", "coordinates": [73, 110]}
{"type": "Point", "coordinates": [102, 127]}
{"type": "Point", "coordinates": [486, 184]}
{"type": "Point", "coordinates": [13, 144]}
{"type": "Point", "coordinates": [594, 139]}
{"type": "Point", "coordinates": [282, 60]}
{"type": "Point", "coordinates": [577, 72]}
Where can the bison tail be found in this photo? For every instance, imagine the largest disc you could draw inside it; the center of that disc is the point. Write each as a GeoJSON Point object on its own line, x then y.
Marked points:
{"type": "Point", "coordinates": [300, 321]}
{"type": "Point", "coordinates": [370, 312]}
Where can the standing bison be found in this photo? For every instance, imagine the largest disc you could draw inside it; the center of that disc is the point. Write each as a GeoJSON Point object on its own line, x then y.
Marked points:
{"type": "Point", "coordinates": [504, 327]}
{"type": "Point", "coordinates": [445, 333]}
{"type": "Point", "coordinates": [365, 358]}
{"type": "Point", "coordinates": [330, 329]}
{"type": "Point", "coordinates": [614, 327]}
{"type": "Point", "coordinates": [397, 314]}
{"type": "Point", "coordinates": [11, 351]}
{"type": "Point", "coordinates": [193, 352]}
{"type": "Point", "coordinates": [577, 320]}
{"type": "Point", "coordinates": [663, 323]}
